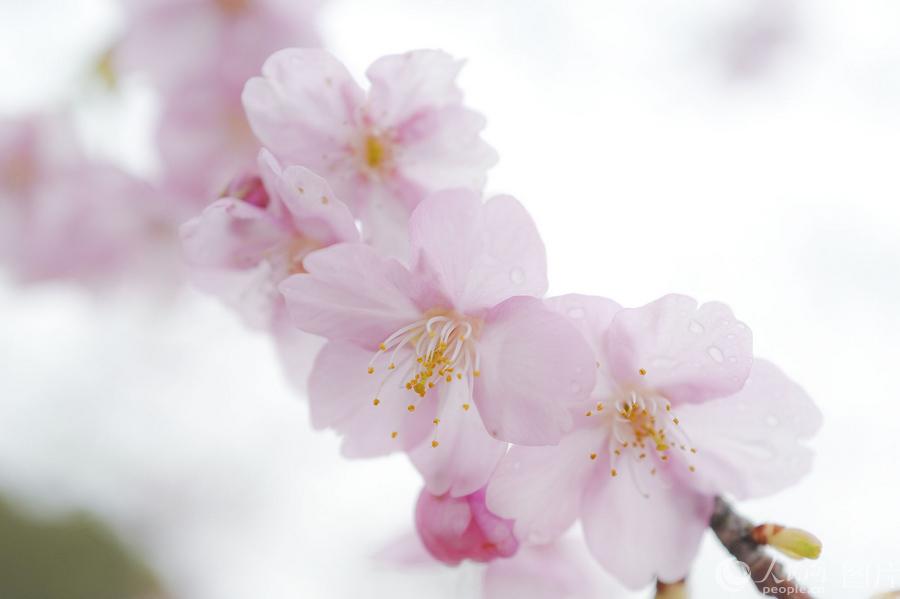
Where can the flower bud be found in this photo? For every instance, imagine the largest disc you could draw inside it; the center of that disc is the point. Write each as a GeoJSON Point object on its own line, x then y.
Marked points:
{"type": "Point", "coordinates": [793, 542]}
{"type": "Point", "coordinates": [457, 528]}
{"type": "Point", "coordinates": [248, 188]}
{"type": "Point", "coordinates": [671, 590]}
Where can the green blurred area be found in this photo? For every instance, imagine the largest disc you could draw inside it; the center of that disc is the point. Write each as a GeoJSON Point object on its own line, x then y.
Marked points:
{"type": "Point", "coordinates": [73, 557]}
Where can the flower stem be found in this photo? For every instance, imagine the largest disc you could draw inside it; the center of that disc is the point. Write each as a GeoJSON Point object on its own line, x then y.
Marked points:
{"type": "Point", "coordinates": [734, 532]}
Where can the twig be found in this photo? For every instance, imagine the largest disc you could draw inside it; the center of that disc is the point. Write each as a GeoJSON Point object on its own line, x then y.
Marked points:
{"type": "Point", "coordinates": [735, 534]}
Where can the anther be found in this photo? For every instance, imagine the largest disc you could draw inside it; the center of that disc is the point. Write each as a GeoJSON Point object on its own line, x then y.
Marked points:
{"type": "Point", "coordinates": [642, 371]}
{"type": "Point", "coordinates": [410, 408]}
{"type": "Point", "coordinates": [376, 401]}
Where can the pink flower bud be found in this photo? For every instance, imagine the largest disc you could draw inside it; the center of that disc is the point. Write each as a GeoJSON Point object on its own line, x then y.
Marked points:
{"type": "Point", "coordinates": [248, 188]}
{"type": "Point", "coordinates": [458, 528]}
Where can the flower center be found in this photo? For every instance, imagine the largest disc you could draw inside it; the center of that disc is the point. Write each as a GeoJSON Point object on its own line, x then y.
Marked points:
{"type": "Point", "coordinates": [233, 7]}
{"type": "Point", "coordinates": [438, 348]}
{"type": "Point", "coordinates": [297, 249]}
{"type": "Point", "coordinates": [643, 429]}
{"type": "Point", "coordinates": [376, 152]}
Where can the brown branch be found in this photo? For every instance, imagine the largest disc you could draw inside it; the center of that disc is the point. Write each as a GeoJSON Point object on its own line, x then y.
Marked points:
{"type": "Point", "coordinates": [735, 534]}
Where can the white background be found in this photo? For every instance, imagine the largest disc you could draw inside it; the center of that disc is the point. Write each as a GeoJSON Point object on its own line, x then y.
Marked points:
{"type": "Point", "coordinates": [738, 150]}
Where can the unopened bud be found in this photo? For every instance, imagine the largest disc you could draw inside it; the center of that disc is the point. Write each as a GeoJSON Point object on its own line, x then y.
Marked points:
{"type": "Point", "coordinates": [671, 590]}
{"type": "Point", "coordinates": [793, 542]}
{"type": "Point", "coordinates": [248, 188]}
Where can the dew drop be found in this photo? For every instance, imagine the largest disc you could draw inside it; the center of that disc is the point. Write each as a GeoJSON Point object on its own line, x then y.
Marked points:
{"type": "Point", "coordinates": [695, 327]}
{"type": "Point", "coordinates": [716, 354]}
{"type": "Point", "coordinates": [575, 312]}
{"type": "Point", "coordinates": [659, 363]}
{"type": "Point", "coordinates": [517, 276]}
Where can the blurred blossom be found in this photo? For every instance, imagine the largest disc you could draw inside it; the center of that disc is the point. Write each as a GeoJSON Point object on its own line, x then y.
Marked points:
{"type": "Point", "coordinates": [199, 54]}
{"type": "Point", "coordinates": [754, 42]}
{"type": "Point", "coordinates": [383, 150]}
{"type": "Point", "coordinates": [222, 41]}
{"type": "Point", "coordinates": [67, 216]}
{"type": "Point", "coordinates": [562, 569]}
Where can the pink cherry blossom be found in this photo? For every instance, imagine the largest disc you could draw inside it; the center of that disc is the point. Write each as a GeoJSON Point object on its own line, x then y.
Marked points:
{"type": "Point", "coordinates": [384, 150]}
{"type": "Point", "coordinates": [680, 413]}
{"type": "Point", "coordinates": [457, 528]}
{"type": "Point", "coordinates": [203, 139]}
{"type": "Point", "coordinates": [174, 41]}
{"type": "Point", "coordinates": [66, 216]}
{"type": "Point", "coordinates": [199, 54]}
{"type": "Point", "coordinates": [243, 245]}
{"type": "Point", "coordinates": [450, 358]}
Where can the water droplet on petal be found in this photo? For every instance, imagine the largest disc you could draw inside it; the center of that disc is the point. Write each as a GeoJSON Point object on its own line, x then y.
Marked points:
{"type": "Point", "coordinates": [716, 354]}
{"type": "Point", "coordinates": [658, 363]}
{"type": "Point", "coordinates": [695, 327]}
{"type": "Point", "coordinates": [575, 312]}
{"type": "Point", "coordinates": [517, 276]}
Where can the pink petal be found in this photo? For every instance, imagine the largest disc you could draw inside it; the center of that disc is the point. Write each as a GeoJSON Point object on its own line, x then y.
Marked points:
{"type": "Point", "coordinates": [312, 206]}
{"type": "Point", "coordinates": [477, 255]}
{"type": "Point", "coordinates": [231, 234]}
{"type": "Point", "coordinates": [351, 293]}
{"type": "Point", "coordinates": [304, 107]}
{"type": "Point", "coordinates": [296, 351]}
{"type": "Point", "coordinates": [690, 354]}
{"type": "Point", "coordinates": [560, 570]}
{"type": "Point", "coordinates": [541, 487]}
{"type": "Point", "coordinates": [751, 443]}
{"type": "Point", "coordinates": [406, 85]}
{"type": "Point", "coordinates": [466, 454]}
{"type": "Point", "coordinates": [436, 141]}
{"type": "Point", "coordinates": [638, 539]}
{"type": "Point", "coordinates": [535, 366]}
{"type": "Point", "coordinates": [592, 316]}
{"type": "Point", "coordinates": [341, 394]}
{"type": "Point", "coordinates": [385, 224]}
{"type": "Point", "coordinates": [444, 150]}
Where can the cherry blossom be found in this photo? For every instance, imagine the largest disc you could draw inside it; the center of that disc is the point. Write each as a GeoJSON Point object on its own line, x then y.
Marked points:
{"type": "Point", "coordinates": [680, 413]}
{"type": "Point", "coordinates": [383, 151]}
{"type": "Point", "coordinates": [65, 215]}
{"type": "Point", "coordinates": [246, 243]}
{"type": "Point", "coordinates": [450, 358]}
